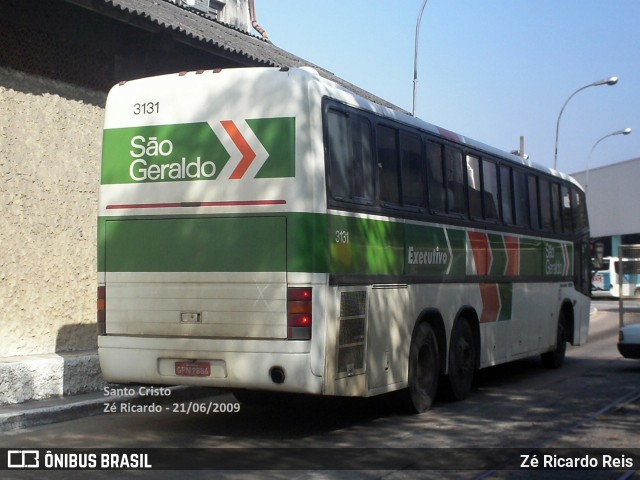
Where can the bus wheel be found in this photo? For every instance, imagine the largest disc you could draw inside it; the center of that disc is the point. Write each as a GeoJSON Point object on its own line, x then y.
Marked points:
{"type": "Point", "coordinates": [424, 370]}
{"type": "Point", "coordinates": [555, 358]}
{"type": "Point", "coordinates": [462, 360]}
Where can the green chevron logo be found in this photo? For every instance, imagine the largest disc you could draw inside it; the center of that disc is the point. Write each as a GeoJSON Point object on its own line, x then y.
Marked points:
{"type": "Point", "coordinates": [230, 150]}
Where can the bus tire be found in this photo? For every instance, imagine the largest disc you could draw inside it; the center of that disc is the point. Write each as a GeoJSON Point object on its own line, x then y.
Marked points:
{"type": "Point", "coordinates": [462, 360]}
{"type": "Point", "coordinates": [555, 358]}
{"type": "Point", "coordinates": [424, 370]}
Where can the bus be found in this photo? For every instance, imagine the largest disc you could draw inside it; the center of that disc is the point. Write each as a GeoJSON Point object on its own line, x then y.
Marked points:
{"type": "Point", "coordinates": [605, 281]}
{"type": "Point", "coordinates": [267, 230]}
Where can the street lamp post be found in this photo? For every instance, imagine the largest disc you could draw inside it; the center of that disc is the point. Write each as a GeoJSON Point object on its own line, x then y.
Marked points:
{"type": "Point", "coordinates": [415, 57]}
{"type": "Point", "coordinates": [626, 131]}
{"type": "Point", "coordinates": [606, 81]}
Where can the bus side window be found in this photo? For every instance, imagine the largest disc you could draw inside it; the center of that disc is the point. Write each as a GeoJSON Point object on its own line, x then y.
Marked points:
{"type": "Point", "coordinates": [412, 167]}
{"type": "Point", "coordinates": [555, 207]}
{"type": "Point", "coordinates": [454, 180]}
{"type": "Point", "coordinates": [505, 192]}
{"type": "Point", "coordinates": [490, 190]}
{"type": "Point", "coordinates": [350, 161]}
{"type": "Point", "coordinates": [388, 164]}
{"type": "Point", "coordinates": [435, 177]}
{"type": "Point", "coordinates": [474, 188]}
{"type": "Point", "coordinates": [567, 220]}
{"type": "Point", "coordinates": [339, 153]}
{"type": "Point", "coordinates": [521, 198]}
{"type": "Point", "coordinates": [545, 205]}
{"type": "Point", "coordinates": [534, 212]}
{"type": "Point", "coordinates": [362, 178]}
{"type": "Point", "coordinates": [579, 210]}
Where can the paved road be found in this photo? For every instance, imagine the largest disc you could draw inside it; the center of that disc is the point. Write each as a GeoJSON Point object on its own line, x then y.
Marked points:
{"type": "Point", "coordinates": [592, 402]}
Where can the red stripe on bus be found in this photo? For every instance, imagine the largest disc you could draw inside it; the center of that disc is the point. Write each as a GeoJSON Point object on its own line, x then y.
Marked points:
{"type": "Point", "coordinates": [482, 254]}
{"type": "Point", "coordinates": [512, 245]}
{"type": "Point", "coordinates": [490, 302]}
{"type": "Point", "coordinates": [248, 155]}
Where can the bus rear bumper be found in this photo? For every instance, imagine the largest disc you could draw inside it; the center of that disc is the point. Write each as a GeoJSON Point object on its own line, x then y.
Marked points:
{"type": "Point", "coordinates": [231, 364]}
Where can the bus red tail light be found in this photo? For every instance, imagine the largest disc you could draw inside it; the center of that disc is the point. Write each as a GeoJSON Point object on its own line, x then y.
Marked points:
{"type": "Point", "coordinates": [299, 318]}
{"type": "Point", "coordinates": [102, 310]}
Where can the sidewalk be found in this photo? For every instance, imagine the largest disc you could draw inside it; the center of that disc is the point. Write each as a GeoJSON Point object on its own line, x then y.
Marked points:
{"type": "Point", "coordinates": [61, 409]}
{"type": "Point", "coordinates": [64, 408]}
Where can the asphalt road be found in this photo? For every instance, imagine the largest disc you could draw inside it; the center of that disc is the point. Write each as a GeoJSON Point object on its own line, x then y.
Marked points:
{"type": "Point", "coordinates": [592, 402]}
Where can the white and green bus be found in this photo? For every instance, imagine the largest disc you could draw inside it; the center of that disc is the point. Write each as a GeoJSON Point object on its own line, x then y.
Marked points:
{"type": "Point", "coordinates": [265, 229]}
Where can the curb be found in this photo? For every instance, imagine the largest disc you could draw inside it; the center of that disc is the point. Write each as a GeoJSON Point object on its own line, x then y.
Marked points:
{"type": "Point", "coordinates": [62, 409]}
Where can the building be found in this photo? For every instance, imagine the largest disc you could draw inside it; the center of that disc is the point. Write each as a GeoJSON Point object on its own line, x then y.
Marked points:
{"type": "Point", "coordinates": [612, 201]}
{"type": "Point", "coordinates": [58, 60]}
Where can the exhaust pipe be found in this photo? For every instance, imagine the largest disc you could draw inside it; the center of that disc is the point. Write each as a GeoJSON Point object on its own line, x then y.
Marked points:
{"type": "Point", "coordinates": [277, 375]}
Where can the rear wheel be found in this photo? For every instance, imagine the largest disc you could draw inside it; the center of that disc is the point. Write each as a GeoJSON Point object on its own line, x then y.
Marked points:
{"type": "Point", "coordinates": [462, 360]}
{"type": "Point", "coordinates": [555, 358]}
{"type": "Point", "coordinates": [424, 370]}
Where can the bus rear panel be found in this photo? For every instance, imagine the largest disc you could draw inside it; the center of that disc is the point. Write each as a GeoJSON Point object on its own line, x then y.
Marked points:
{"type": "Point", "coordinates": [207, 270]}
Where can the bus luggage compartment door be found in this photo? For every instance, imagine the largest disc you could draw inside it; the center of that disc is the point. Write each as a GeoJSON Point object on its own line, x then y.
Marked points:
{"type": "Point", "coordinates": [222, 277]}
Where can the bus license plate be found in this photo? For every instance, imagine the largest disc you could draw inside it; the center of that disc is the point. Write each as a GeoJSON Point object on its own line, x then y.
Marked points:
{"type": "Point", "coordinates": [193, 369]}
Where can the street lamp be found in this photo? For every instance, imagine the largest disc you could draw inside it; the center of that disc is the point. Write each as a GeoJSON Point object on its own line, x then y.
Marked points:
{"type": "Point", "coordinates": [415, 57]}
{"type": "Point", "coordinates": [626, 131]}
{"type": "Point", "coordinates": [606, 81]}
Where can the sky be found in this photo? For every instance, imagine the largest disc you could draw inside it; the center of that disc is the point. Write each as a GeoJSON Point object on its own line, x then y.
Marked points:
{"type": "Point", "coordinates": [491, 70]}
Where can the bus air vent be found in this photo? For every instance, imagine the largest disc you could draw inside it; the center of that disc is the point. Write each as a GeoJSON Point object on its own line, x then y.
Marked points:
{"type": "Point", "coordinates": [352, 333]}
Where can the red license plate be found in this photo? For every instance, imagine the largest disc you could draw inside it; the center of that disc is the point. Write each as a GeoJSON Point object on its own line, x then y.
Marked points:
{"type": "Point", "coordinates": [193, 369]}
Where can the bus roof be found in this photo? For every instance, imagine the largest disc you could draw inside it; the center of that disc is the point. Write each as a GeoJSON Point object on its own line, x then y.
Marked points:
{"type": "Point", "coordinates": [401, 116]}
{"type": "Point", "coordinates": [340, 92]}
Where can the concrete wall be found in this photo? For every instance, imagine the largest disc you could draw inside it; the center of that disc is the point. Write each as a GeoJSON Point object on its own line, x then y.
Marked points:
{"type": "Point", "coordinates": [50, 141]}
{"type": "Point", "coordinates": [613, 197]}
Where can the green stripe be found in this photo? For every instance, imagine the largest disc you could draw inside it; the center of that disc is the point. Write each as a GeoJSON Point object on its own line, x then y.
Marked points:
{"type": "Point", "coordinates": [458, 239]}
{"type": "Point", "coordinates": [190, 152]}
{"type": "Point", "coordinates": [530, 256]}
{"type": "Point", "coordinates": [277, 135]}
{"type": "Point", "coordinates": [240, 244]}
{"type": "Point", "coordinates": [213, 243]}
{"type": "Point", "coordinates": [159, 153]}
{"type": "Point", "coordinates": [506, 301]}
{"type": "Point", "coordinates": [363, 245]}
{"type": "Point", "coordinates": [305, 242]}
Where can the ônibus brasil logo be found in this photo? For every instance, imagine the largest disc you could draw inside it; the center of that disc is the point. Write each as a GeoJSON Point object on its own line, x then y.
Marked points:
{"type": "Point", "coordinates": [255, 148]}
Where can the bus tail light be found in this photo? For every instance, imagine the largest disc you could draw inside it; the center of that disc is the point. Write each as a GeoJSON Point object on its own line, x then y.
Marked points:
{"type": "Point", "coordinates": [299, 317]}
{"type": "Point", "coordinates": [102, 310]}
